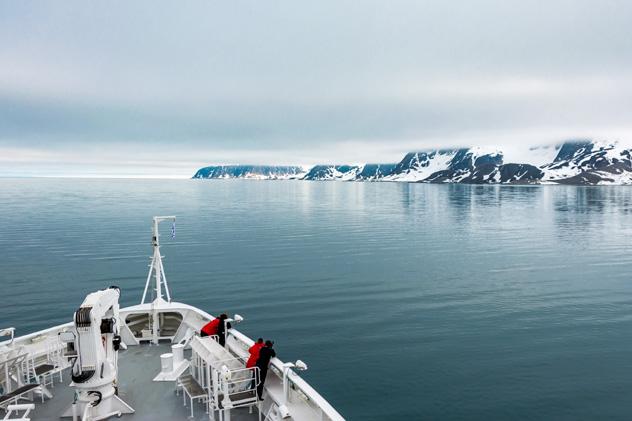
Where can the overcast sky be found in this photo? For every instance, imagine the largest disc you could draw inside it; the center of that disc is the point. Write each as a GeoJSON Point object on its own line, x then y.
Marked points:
{"type": "Point", "coordinates": [162, 88]}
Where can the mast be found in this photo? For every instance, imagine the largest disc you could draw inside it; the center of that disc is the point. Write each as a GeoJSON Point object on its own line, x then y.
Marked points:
{"type": "Point", "coordinates": [159, 276]}
{"type": "Point", "coordinates": [156, 268]}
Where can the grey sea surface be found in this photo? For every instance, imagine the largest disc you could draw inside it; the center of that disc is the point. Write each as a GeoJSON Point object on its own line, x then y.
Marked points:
{"type": "Point", "coordinates": [407, 301]}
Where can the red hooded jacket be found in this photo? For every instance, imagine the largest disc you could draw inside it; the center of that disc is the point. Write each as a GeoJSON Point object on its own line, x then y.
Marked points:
{"type": "Point", "coordinates": [211, 327]}
{"type": "Point", "coordinates": [254, 354]}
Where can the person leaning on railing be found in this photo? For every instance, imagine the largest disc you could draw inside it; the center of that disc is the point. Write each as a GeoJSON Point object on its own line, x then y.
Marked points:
{"type": "Point", "coordinates": [254, 353]}
{"type": "Point", "coordinates": [252, 360]}
{"type": "Point", "coordinates": [265, 355]}
{"type": "Point", "coordinates": [218, 327]}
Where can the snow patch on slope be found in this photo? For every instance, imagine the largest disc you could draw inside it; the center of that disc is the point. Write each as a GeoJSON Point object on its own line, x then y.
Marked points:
{"type": "Point", "coordinates": [533, 155]}
{"type": "Point", "coordinates": [422, 165]}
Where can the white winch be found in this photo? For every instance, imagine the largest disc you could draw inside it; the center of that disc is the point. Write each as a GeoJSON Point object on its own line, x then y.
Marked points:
{"type": "Point", "coordinates": [95, 368]}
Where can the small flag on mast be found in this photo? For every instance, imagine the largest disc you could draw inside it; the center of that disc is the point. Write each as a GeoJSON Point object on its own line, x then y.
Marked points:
{"type": "Point", "coordinates": [173, 230]}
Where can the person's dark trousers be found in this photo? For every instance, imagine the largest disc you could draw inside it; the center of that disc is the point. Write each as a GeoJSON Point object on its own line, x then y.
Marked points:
{"type": "Point", "coordinates": [222, 340]}
{"type": "Point", "coordinates": [263, 372]}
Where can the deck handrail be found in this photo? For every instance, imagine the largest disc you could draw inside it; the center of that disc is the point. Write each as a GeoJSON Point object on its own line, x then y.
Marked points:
{"type": "Point", "coordinates": [297, 380]}
{"type": "Point", "coordinates": [28, 336]}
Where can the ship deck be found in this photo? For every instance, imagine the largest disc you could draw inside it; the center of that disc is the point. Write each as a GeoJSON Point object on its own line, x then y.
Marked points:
{"type": "Point", "coordinates": [138, 365]}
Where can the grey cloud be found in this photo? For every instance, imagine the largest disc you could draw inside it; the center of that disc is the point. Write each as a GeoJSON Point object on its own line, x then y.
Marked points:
{"type": "Point", "coordinates": [297, 76]}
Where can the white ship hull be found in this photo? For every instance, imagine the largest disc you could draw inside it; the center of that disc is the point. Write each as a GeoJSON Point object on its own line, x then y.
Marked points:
{"type": "Point", "coordinates": [304, 402]}
{"type": "Point", "coordinates": [35, 370]}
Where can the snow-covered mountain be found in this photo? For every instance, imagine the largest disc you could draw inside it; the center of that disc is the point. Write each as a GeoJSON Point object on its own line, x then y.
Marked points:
{"type": "Point", "coordinates": [375, 172]}
{"type": "Point", "coordinates": [583, 162]}
{"type": "Point", "coordinates": [417, 166]}
{"type": "Point", "coordinates": [590, 162]}
{"type": "Point", "coordinates": [257, 172]}
{"type": "Point", "coordinates": [365, 172]}
{"type": "Point", "coordinates": [478, 165]}
{"type": "Point", "coordinates": [333, 172]}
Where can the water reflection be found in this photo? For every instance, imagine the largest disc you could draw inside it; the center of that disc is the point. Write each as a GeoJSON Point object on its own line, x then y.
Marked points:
{"type": "Point", "coordinates": [593, 199]}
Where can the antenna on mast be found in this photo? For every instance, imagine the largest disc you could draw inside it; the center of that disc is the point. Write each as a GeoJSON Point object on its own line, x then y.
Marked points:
{"type": "Point", "coordinates": [156, 267]}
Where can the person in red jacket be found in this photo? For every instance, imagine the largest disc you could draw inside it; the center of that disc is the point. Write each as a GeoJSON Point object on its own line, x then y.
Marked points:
{"type": "Point", "coordinates": [254, 353]}
{"type": "Point", "coordinates": [217, 326]}
{"type": "Point", "coordinates": [265, 355]}
{"type": "Point", "coordinates": [252, 360]}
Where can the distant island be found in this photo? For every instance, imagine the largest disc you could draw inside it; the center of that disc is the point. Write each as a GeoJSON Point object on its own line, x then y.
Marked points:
{"type": "Point", "coordinates": [581, 162]}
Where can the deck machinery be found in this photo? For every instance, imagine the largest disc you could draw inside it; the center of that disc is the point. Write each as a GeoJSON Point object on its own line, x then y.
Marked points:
{"type": "Point", "coordinates": [96, 342]}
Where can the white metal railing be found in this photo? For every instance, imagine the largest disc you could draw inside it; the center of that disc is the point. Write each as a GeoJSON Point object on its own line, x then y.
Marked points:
{"type": "Point", "coordinates": [321, 408]}
{"type": "Point", "coordinates": [12, 366]}
{"type": "Point", "coordinates": [26, 339]}
{"type": "Point", "coordinates": [13, 412]}
{"type": "Point", "coordinates": [223, 375]}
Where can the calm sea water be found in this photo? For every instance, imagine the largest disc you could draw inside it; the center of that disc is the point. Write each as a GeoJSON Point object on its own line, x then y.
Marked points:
{"type": "Point", "coordinates": [407, 301]}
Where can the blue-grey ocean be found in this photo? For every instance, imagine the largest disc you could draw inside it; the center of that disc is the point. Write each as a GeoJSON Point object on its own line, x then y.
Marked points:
{"type": "Point", "coordinates": [407, 301]}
